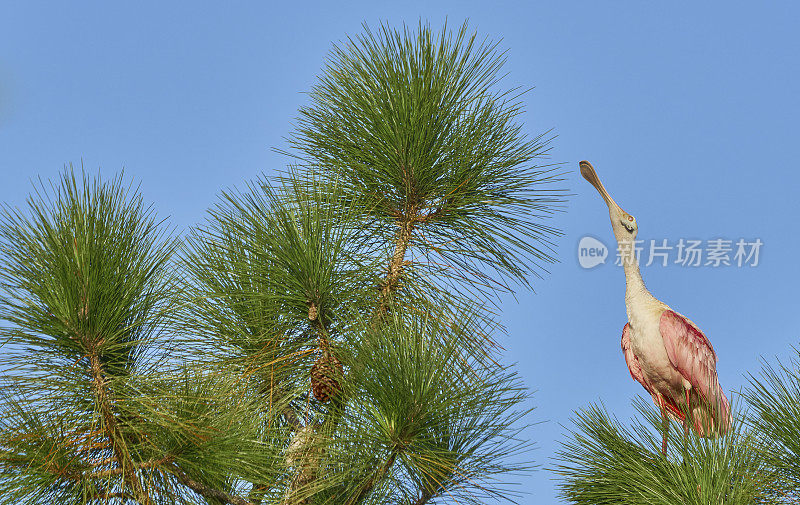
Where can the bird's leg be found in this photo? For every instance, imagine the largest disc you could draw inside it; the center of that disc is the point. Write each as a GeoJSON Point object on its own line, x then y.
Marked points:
{"type": "Point", "coordinates": [688, 415]}
{"type": "Point", "coordinates": [664, 426]}
{"type": "Point", "coordinates": [686, 420]}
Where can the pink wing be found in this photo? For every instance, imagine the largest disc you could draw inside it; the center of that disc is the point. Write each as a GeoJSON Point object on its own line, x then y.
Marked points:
{"type": "Point", "coordinates": [692, 355]}
{"type": "Point", "coordinates": [632, 361]}
{"type": "Point", "coordinates": [636, 372]}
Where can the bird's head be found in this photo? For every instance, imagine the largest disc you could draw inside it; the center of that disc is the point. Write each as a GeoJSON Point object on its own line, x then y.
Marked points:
{"type": "Point", "coordinates": [623, 224]}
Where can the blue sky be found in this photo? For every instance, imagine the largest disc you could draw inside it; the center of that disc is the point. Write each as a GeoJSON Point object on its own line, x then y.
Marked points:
{"type": "Point", "coordinates": [687, 110]}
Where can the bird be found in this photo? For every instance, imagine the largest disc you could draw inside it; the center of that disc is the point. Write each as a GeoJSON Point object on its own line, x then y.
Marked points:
{"type": "Point", "coordinates": [664, 350]}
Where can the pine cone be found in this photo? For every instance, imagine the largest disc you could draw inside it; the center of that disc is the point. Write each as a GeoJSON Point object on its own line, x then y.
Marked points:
{"type": "Point", "coordinates": [325, 374]}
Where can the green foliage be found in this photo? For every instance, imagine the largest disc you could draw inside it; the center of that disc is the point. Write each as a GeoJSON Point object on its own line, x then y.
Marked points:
{"type": "Point", "coordinates": [604, 462]}
{"type": "Point", "coordinates": [449, 419]}
{"type": "Point", "coordinates": [415, 121]}
{"type": "Point", "coordinates": [325, 337]}
{"type": "Point", "coordinates": [91, 389]}
{"type": "Point", "coordinates": [774, 396]}
{"type": "Point", "coordinates": [89, 260]}
{"type": "Point", "coordinates": [260, 263]}
{"type": "Point", "coordinates": [298, 252]}
{"type": "Point", "coordinates": [419, 390]}
{"type": "Point", "coordinates": [86, 287]}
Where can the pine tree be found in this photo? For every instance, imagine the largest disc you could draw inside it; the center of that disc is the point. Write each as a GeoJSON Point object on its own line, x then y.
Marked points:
{"type": "Point", "coordinates": [327, 336]}
{"type": "Point", "coordinates": [603, 461]}
{"type": "Point", "coordinates": [774, 399]}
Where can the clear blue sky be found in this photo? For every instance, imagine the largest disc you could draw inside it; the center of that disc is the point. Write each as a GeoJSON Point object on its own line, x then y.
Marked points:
{"type": "Point", "coordinates": [687, 110]}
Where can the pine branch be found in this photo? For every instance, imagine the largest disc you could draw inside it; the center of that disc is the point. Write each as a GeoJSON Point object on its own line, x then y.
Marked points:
{"type": "Point", "coordinates": [422, 500]}
{"type": "Point", "coordinates": [291, 418]}
{"type": "Point", "coordinates": [397, 261]}
{"type": "Point", "coordinates": [207, 491]}
{"type": "Point", "coordinates": [144, 465]}
{"type": "Point", "coordinates": [775, 415]}
{"type": "Point", "coordinates": [607, 462]}
{"type": "Point", "coordinates": [376, 477]}
{"type": "Point", "coordinates": [112, 430]}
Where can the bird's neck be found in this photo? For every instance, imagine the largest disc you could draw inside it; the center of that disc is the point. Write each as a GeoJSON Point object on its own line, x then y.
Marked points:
{"type": "Point", "coordinates": [634, 284]}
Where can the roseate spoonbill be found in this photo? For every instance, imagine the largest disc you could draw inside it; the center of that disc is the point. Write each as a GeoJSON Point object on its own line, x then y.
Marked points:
{"type": "Point", "coordinates": [665, 351]}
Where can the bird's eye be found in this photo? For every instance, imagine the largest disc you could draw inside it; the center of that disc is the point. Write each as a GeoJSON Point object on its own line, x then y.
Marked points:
{"type": "Point", "coordinates": [630, 218]}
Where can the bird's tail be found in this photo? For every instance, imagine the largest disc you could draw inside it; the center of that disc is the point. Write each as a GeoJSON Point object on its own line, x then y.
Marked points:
{"type": "Point", "coordinates": [712, 418]}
